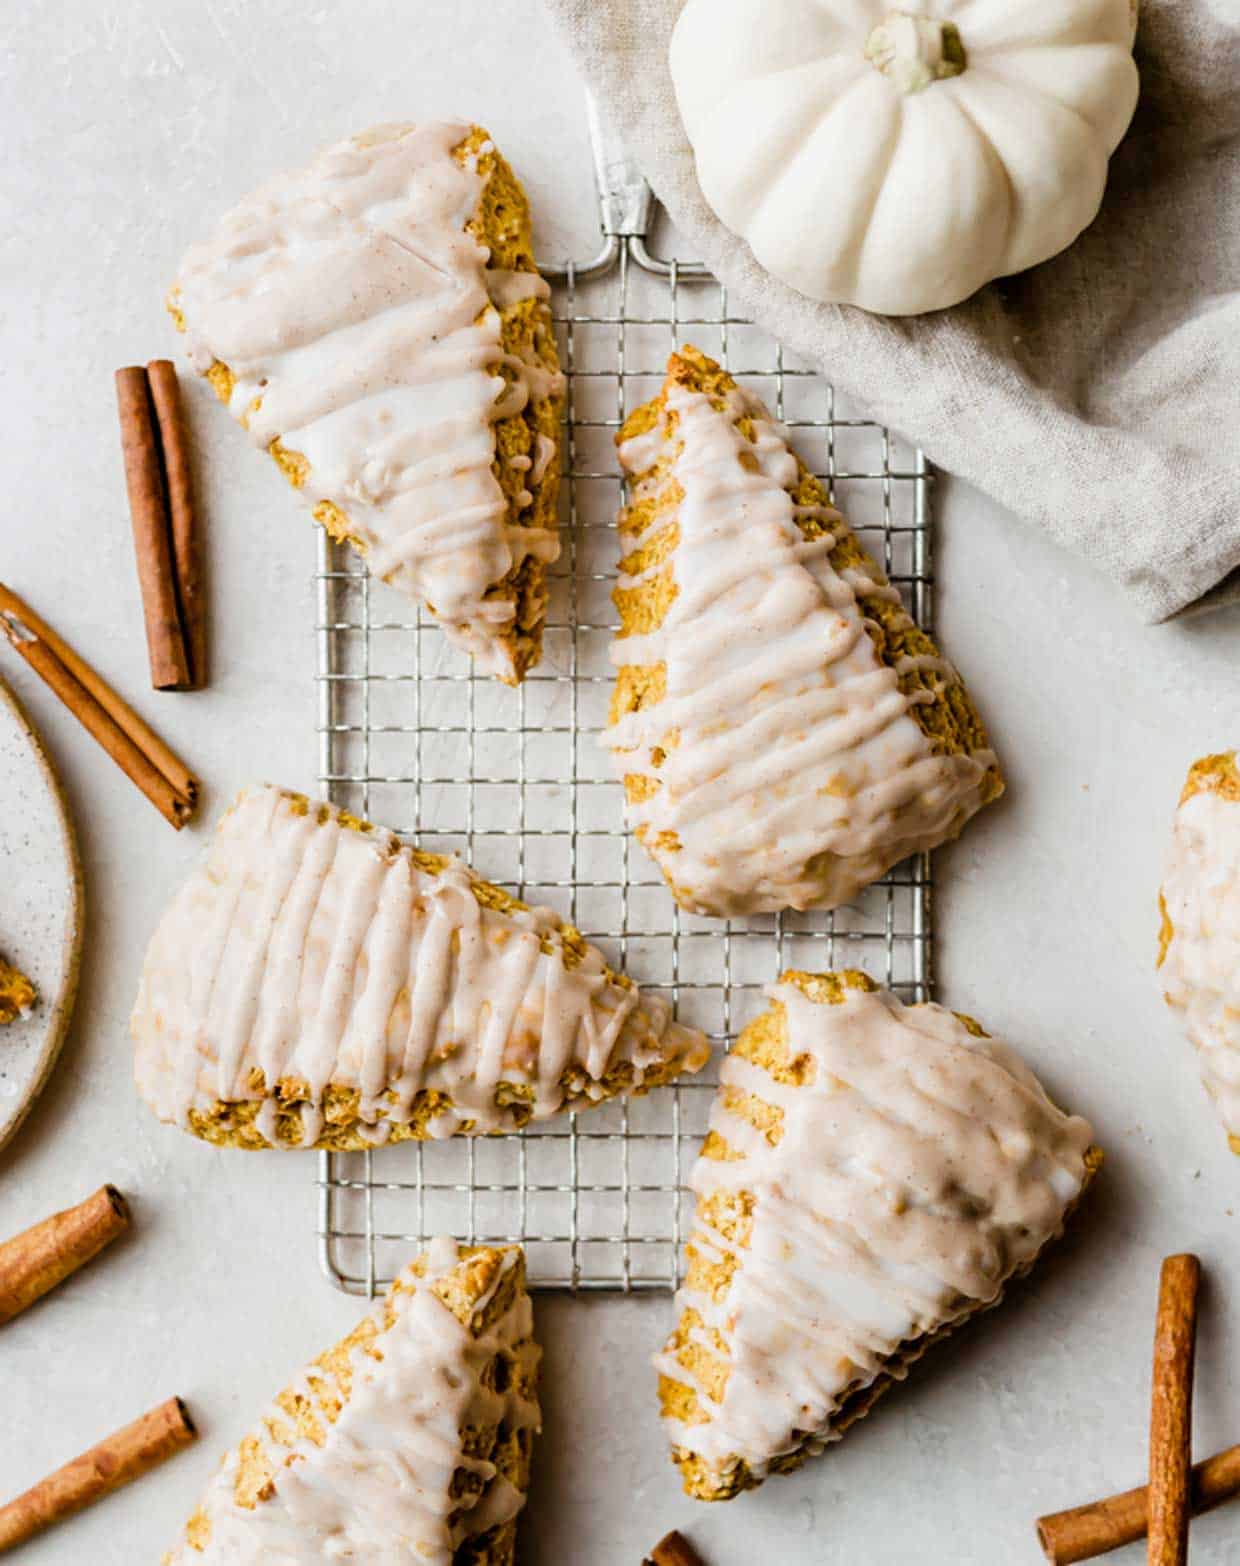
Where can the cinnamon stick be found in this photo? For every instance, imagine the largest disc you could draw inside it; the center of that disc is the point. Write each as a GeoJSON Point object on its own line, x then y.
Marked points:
{"type": "Point", "coordinates": [1102, 1526]}
{"type": "Point", "coordinates": [186, 540]}
{"type": "Point", "coordinates": [674, 1550]}
{"type": "Point", "coordinates": [152, 540]}
{"type": "Point", "coordinates": [132, 744]}
{"type": "Point", "coordinates": [46, 1254]}
{"type": "Point", "coordinates": [118, 1460]}
{"type": "Point", "coordinates": [1171, 1411]}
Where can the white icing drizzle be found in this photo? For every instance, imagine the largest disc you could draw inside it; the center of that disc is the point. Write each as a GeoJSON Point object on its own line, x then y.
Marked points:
{"type": "Point", "coordinates": [918, 1170]}
{"type": "Point", "coordinates": [544, 451]}
{"type": "Point", "coordinates": [309, 950]}
{"type": "Point", "coordinates": [796, 775]}
{"type": "Point", "coordinates": [360, 319]}
{"type": "Point", "coordinates": [379, 1488]}
{"type": "Point", "coordinates": [1201, 970]}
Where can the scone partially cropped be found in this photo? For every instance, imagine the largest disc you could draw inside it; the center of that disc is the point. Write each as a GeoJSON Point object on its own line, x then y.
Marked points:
{"type": "Point", "coordinates": [1199, 945]}
{"type": "Point", "coordinates": [376, 321]}
{"type": "Point", "coordinates": [316, 983]}
{"type": "Point", "coordinates": [409, 1440]}
{"type": "Point", "coordinates": [17, 993]}
{"type": "Point", "coordinates": [784, 730]}
{"type": "Point", "coordinates": [874, 1174]}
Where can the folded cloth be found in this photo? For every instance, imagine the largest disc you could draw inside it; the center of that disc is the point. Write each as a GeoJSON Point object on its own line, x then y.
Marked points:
{"type": "Point", "coordinates": [1095, 395]}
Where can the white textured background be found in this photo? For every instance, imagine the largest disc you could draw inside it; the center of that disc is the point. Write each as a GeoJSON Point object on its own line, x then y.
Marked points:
{"type": "Point", "coordinates": [125, 130]}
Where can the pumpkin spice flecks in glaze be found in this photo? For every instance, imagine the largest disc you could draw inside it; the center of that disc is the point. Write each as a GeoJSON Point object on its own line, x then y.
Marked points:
{"type": "Point", "coordinates": [316, 982]}
{"type": "Point", "coordinates": [785, 731]}
{"type": "Point", "coordinates": [377, 323]}
{"type": "Point", "coordinates": [948, 149]}
{"type": "Point", "coordinates": [874, 1174]}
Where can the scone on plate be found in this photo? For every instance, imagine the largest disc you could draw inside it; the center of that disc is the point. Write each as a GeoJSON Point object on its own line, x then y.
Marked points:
{"type": "Point", "coordinates": [377, 323]}
{"type": "Point", "coordinates": [409, 1440]}
{"type": "Point", "coordinates": [17, 994]}
{"type": "Point", "coordinates": [1199, 944]}
{"type": "Point", "coordinates": [317, 983]}
{"type": "Point", "coordinates": [784, 731]}
{"type": "Point", "coordinates": [874, 1175]}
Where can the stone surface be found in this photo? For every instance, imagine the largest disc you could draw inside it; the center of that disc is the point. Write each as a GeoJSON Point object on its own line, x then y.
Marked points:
{"type": "Point", "coordinates": [125, 128]}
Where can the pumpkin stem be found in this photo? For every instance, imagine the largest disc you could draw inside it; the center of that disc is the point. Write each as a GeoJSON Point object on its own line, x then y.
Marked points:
{"type": "Point", "coordinates": [915, 51]}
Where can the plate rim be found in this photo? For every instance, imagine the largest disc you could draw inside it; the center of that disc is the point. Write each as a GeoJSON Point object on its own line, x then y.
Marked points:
{"type": "Point", "coordinates": [62, 1005]}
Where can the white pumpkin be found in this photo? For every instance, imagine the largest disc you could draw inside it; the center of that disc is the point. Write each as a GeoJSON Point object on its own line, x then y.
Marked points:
{"type": "Point", "coordinates": [899, 159]}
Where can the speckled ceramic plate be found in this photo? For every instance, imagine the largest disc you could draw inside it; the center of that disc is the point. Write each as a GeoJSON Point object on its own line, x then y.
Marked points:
{"type": "Point", "coordinates": [40, 909]}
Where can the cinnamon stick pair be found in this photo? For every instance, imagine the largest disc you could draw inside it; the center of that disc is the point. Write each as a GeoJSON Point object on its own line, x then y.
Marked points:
{"type": "Point", "coordinates": [1176, 1491]}
{"type": "Point", "coordinates": [117, 1460]}
{"type": "Point", "coordinates": [1102, 1526]}
{"type": "Point", "coordinates": [155, 444]}
{"type": "Point", "coordinates": [130, 742]}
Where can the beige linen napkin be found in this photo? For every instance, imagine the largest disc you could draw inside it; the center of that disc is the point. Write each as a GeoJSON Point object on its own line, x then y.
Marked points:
{"type": "Point", "coordinates": [1097, 395]}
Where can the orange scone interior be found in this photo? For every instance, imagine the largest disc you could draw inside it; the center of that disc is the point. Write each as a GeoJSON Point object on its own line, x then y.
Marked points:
{"type": "Point", "coordinates": [874, 1174]}
{"type": "Point", "coordinates": [377, 322]}
{"type": "Point", "coordinates": [785, 731]}
{"type": "Point", "coordinates": [1199, 943]}
{"type": "Point", "coordinates": [317, 983]}
{"type": "Point", "coordinates": [17, 993]}
{"type": "Point", "coordinates": [410, 1439]}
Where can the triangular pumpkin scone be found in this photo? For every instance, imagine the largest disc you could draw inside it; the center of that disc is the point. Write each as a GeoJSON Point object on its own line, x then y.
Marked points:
{"type": "Point", "coordinates": [874, 1175]}
{"type": "Point", "coordinates": [784, 730]}
{"type": "Point", "coordinates": [410, 1440]}
{"type": "Point", "coordinates": [316, 983]}
{"type": "Point", "coordinates": [376, 321]}
{"type": "Point", "coordinates": [1199, 944]}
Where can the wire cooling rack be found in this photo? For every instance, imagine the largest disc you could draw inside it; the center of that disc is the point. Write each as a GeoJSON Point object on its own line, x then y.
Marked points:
{"type": "Point", "coordinates": [518, 784]}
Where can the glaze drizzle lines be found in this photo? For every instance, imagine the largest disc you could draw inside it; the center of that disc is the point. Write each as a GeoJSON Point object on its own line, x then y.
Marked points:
{"type": "Point", "coordinates": [911, 1172]}
{"type": "Point", "coordinates": [359, 318]}
{"type": "Point", "coordinates": [779, 766]}
{"type": "Point", "coordinates": [312, 950]}
{"type": "Point", "coordinates": [380, 1487]}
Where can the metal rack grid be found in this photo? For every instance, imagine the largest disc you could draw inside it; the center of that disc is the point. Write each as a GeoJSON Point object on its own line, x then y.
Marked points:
{"type": "Point", "coordinates": [518, 784]}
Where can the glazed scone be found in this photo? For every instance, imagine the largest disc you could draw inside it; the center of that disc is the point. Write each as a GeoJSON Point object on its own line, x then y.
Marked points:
{"type": "Point", "coordinates": [1199, 944]}
{"type": "Point", "coordinates": [874, 1174]}
{"type": "Point", "coordinates": [376, 321]}
{"type": "Point", "coordinates": [17, 994]}
{"type": "Point", "coordinates": [410, 1440]}
{"type": "Point", "coordinates": [316, 983]}
{"type": "Point", "coordinates": [784, 731]}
